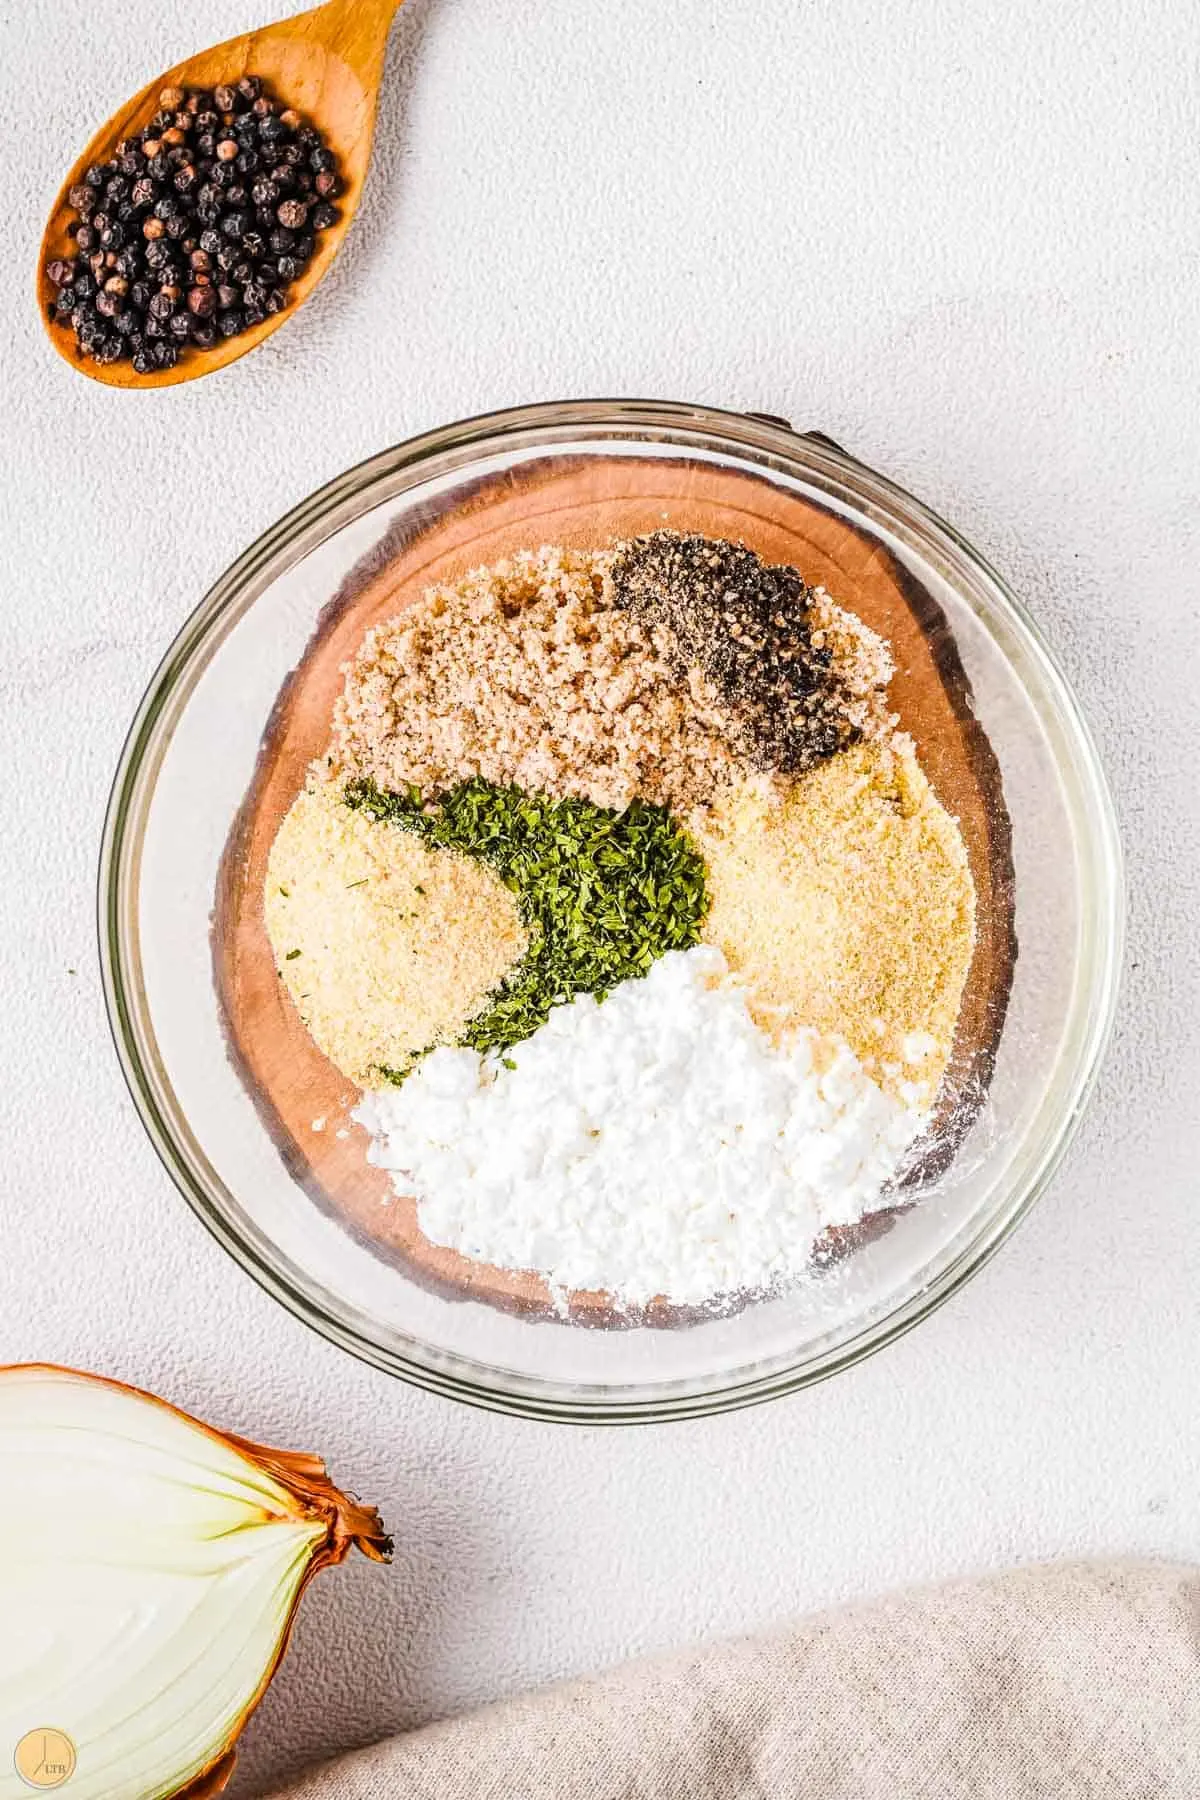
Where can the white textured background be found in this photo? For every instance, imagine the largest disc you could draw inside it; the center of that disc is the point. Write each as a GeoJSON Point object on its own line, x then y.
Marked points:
{"type": "Point", "coordinates": [962, 238]}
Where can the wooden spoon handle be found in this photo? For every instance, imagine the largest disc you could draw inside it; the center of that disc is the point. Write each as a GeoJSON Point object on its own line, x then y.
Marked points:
{"type": "Point", "coordinates": [356, 31]}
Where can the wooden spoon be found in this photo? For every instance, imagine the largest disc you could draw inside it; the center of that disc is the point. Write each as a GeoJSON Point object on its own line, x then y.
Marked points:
{"type": "Point", "coordinates": [327, 64]}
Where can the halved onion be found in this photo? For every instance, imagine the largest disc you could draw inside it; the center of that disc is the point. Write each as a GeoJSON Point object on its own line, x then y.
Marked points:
{"type": "Point", "coordinates": [150, 1570]}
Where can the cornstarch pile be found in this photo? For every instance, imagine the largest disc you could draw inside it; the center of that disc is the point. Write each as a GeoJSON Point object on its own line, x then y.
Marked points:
{"type": "Point", "coordinates": [657, 1144]}
{"type": "Point", "coordinates": [638, 923]}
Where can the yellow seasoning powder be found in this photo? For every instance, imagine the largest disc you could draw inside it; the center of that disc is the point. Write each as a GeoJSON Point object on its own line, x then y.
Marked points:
{"type": "Point", "coordinates": [385, 944]}
{"type": "Point", "coordinates": [848, 905]}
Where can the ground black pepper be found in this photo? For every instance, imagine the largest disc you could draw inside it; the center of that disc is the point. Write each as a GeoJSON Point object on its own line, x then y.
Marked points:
{"type": "Point", "coordinates": [194, 229]}
{"type": "Point", "coordinates": [746, 626]}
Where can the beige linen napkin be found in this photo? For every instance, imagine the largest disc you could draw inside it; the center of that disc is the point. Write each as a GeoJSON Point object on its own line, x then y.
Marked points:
{"type": "Point", "coordinates": [1067, 1681]}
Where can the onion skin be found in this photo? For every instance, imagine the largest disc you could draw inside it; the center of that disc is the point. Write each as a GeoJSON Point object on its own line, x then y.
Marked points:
{"type": "Point", "coordinates": [347, 1524]}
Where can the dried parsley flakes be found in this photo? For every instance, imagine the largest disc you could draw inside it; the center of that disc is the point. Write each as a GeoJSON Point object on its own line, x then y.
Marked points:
{"type": "Point", "coordinates": [602, 894]}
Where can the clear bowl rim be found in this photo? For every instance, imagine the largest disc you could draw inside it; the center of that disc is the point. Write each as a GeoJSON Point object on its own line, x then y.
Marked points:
{"type": "Point", "coordinates": [1096, 995]}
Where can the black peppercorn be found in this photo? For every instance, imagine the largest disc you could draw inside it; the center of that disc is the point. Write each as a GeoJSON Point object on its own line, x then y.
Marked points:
{"type": "Point", "coordinates": [183, 230]}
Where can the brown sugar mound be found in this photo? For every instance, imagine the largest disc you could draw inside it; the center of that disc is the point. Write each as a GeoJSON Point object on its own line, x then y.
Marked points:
{"type": "Point", "coordinates": [522, 673]}
{"type": "Point", "coordinates": [537, 672]}
{"type": "Point", "coordinates": [847, 904]}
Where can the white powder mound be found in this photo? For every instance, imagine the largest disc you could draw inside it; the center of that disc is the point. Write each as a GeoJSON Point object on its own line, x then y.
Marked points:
{"type": "Point", "coordinates": [657, 1144]}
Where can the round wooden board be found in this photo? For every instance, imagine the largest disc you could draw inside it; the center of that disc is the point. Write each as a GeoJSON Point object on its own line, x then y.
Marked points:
{"type": "Point", "coordinates": [581, 504]}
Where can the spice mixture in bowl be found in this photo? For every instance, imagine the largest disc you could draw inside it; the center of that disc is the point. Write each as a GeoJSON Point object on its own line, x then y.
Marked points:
{"type": "Point", "coordinates": [624, 885]}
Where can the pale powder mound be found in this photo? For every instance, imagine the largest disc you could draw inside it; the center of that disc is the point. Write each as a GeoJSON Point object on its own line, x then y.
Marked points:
{"type": "Point", "coordinates": [521, 673]}
{"type": "Point", "coordinates": [385, 945]}
{"type": "Point", "coordinates": [847, 901]}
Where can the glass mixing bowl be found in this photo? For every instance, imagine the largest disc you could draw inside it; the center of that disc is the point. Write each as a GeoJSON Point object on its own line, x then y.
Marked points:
{"type": "Point", "coordinates": [192, 756]}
